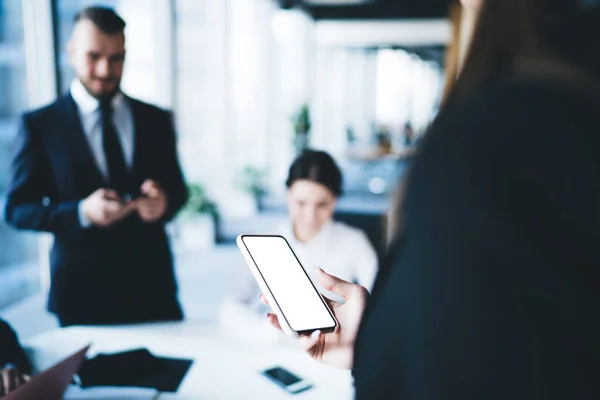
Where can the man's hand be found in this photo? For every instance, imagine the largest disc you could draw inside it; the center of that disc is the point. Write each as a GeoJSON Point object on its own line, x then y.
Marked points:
{"type": "Point", "coordinates": [152, 205]}
{"type": "Point", "coordinates": [104, 207]}
{"type": "Point", "coordinates": [11, 379]}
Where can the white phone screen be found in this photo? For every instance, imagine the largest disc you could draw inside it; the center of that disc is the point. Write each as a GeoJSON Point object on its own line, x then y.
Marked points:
{"type": "Point", "coordinates": [296, 296]}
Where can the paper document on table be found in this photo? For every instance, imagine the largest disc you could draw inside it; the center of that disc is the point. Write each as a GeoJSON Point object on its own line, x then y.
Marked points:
{"type": "Point", "coordinates": [110, 392]}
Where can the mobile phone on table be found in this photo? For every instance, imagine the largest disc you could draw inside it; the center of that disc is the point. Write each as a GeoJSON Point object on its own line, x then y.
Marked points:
{"type": "Point", "coordinates": [287, 380]}
{"type": "Point", "coordinates": [292, 296]}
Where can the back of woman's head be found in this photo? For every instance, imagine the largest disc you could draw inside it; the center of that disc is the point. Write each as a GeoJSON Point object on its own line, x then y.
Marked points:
{"type": "Point", "coordinates": [318, 167]}
{"type": "Point", "coordinates": [509, 32]}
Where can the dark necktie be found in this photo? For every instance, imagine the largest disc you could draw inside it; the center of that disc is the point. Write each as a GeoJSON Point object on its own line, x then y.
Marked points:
{"type": "Point", "coordinates": [118, 176]}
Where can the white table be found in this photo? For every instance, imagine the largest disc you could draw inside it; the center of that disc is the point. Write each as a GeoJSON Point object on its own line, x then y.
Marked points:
{"type": "Point", "coordinates": [224, 367]}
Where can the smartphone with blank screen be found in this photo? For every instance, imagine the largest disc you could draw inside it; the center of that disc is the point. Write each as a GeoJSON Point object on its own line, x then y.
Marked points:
{"type": "Point", "coordinates": [287, 380]}
{"type": "Point", "coordinates": [292, 296]}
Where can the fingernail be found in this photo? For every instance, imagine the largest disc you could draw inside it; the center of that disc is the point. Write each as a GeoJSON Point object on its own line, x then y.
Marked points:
{"type": "Point", "coordinates": [315, 334]}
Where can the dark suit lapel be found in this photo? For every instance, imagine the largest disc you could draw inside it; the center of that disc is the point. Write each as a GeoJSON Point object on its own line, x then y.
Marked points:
{"type": "Point", "coordinates": [81, 152]}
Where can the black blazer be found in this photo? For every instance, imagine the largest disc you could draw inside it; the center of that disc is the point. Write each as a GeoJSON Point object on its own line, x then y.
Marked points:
{"type": "Point", "coordinates": [120, 274]}
{"type": "Point", "coordinates": [493, 291]}
{"type": "Point", "coordinates": [11, 351]}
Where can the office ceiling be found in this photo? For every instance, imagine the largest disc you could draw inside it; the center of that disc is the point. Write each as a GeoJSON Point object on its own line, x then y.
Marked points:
{"type": "Point", "coordinates": [371, 9]}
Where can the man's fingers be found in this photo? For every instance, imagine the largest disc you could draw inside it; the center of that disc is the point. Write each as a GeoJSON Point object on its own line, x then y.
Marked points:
{"type": "Point", "coordinates": [150, 189]}
{"type": "Point", "coordinates": [150, 210]}
{"type": "Point", "coordinates": [151, 205]}
{"type": "Point", "coordinates": [110, 194]}
{"type": "Point", "coordinates": [129, 206]}
{"type": "Point", "coordinates": [153, 193]}
{"type": "Point", "coordinates": [146, 185]}
{"type": "Point", "coordinates": [112, 208]}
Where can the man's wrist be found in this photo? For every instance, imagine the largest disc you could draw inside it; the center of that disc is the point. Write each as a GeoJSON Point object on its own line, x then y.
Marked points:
{"type": "Point", "coordinates": [84, 221]}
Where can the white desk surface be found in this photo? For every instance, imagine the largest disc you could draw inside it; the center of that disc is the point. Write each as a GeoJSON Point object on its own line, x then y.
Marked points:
{"type": "Point", "coordinates": [225, 367]}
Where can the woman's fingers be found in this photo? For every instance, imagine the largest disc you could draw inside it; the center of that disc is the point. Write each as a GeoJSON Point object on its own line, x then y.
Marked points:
{"type": "Point", "coordinates": [310, 341]}
{"type": "Point", "coordinates": [263, 299]}
{"type": "Point", "coordinates": [274, 321]}
{"type": "Point", "coordinates": [333, 284]}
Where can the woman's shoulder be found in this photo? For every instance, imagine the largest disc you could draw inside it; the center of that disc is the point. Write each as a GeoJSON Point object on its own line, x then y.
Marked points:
{"type": "Point", "coordinates": [497, 117]}
{"type": "Point", "coordinates": [522, 101]}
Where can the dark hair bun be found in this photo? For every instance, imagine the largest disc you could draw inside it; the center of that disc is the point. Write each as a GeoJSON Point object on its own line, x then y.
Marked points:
{"type": "Point", "coordinates": [319, 167]}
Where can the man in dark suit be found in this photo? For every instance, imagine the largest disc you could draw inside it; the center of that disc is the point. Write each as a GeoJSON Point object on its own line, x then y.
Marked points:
{"type": "Point", "coordinates": [99, 170]}
{"type": "Point", "coordinates": [15, 367]}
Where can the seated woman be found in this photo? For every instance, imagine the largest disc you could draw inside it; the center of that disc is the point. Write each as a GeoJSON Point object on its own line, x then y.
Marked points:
{"type": "Point", "coordinates": [314, 185]}
{"type": "Point", "coordinates": [15, 367]}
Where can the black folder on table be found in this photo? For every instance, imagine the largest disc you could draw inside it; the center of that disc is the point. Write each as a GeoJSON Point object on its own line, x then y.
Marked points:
{"type": "Point", "coordinates": [134, 368]}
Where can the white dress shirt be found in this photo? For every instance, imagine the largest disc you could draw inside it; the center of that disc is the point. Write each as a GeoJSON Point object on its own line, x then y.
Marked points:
{"type": "Point", "coordinates": [91, 122]}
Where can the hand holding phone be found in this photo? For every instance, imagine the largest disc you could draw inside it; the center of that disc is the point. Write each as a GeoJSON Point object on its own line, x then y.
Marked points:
{"type": "Point", "coordinates": [152, 201]}
{"type": "Point", "coordinates": [104, 207]}
{"type": "Point", "coordinates": [337, 348]}
{"type": "Point", "coordinates": [299, 306]}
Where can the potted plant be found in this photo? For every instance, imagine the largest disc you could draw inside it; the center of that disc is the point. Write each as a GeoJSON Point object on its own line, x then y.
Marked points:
{"type": "Point", "coordinates": [199, 219]}
{"type": "Point", "coordinates": [252, 181]}
{"type": "Point", "coordinates": [302, 124]}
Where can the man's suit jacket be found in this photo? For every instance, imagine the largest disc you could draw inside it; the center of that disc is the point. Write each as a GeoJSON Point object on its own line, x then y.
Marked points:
{"type": "Point", "coordinates": [11, 351]}
{"type": "Point", "coordinates": [119, 274]}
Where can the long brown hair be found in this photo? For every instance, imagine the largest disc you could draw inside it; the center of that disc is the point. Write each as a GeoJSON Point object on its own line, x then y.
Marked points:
{"type": "Point", "coordinates": [553, 39]}
{"type": "Point", "coordinates": [453, 51]}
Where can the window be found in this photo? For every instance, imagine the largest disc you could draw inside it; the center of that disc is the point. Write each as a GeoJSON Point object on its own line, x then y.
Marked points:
{"type": "Point", "coordinates": [408, 89]}
{"type": "Point", "coordinates": [19, 273]}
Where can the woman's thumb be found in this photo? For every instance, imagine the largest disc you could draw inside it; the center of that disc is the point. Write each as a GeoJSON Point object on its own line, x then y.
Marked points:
{"type": "Point", "coordinates": [334, 284]}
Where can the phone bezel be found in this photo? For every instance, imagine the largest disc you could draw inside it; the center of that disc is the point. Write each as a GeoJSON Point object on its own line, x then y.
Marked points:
{"type": "Point", "coordinates": [302, 332]}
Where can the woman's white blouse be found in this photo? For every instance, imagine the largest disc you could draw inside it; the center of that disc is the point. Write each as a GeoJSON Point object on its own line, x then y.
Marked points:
{"type": "Point", "coordinates": [338, 249]}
